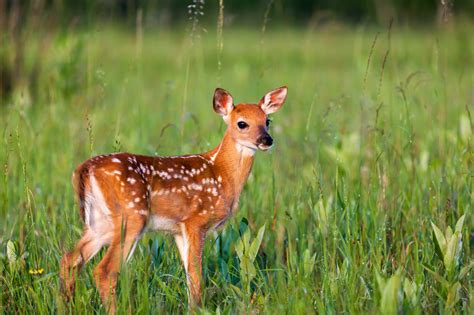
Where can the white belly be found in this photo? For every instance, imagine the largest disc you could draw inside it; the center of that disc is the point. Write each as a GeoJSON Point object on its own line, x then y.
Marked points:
{"type": "Point", "coordinates": [160, 223]}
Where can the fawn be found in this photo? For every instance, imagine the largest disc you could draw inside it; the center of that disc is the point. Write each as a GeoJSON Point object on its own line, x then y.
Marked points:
{"type": "Point", "coordinates": [123, 195]}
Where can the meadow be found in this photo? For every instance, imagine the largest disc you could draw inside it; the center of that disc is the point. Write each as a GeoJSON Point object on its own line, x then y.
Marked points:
{"type": "Point", "coordinates": [354, 210]}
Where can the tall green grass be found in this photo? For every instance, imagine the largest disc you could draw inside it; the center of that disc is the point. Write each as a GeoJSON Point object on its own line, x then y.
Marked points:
{"type": "Point", "coordinates": [373, 146]}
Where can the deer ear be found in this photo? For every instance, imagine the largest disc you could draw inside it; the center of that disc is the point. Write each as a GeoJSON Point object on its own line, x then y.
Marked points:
{"type": "Point", "coordinates": [273, 100]}
{"type": "Point", "coordinates": [223, 102]}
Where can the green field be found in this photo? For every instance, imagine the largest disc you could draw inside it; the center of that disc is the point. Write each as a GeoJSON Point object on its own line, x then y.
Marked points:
{"type": "Point", "coordinates": [373, 145]}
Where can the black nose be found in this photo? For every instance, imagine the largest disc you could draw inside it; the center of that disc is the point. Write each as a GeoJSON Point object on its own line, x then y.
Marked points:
{"type": "Point", "coordinates": [266, 140]}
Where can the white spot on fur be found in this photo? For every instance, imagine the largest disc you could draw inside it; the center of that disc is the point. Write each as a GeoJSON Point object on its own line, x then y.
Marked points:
{"type": "Point", "coordinates": [141, 212]}
{"type": "Point", "coordinates": [115, 160]}
{"type": "Point", "coordinates": [164, 175]}
{"type": "Point", "coordinates": [195, 186]}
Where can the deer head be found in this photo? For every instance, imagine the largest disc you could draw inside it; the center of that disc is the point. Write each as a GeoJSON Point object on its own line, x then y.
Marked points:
{"type": "Point", "coordinates": [248, 123]}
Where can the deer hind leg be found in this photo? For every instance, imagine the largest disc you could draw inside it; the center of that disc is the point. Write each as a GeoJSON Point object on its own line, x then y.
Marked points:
{"type": "Point", "coordinates": [97, 233]}
{"type": "Point", "coordinates": [190, 243]}
{"type": "Point", "coordinates": [73, 261]}
{"type": "Point", "coordinates": [126, 235]}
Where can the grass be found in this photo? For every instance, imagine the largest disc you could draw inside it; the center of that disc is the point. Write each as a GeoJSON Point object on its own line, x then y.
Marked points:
{"type": "Point", "coordinates": [373, 145]}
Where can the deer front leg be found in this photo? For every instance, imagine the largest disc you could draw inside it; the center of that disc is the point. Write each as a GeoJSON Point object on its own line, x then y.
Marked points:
{"type": "Point", "coordinates": [190, 244]}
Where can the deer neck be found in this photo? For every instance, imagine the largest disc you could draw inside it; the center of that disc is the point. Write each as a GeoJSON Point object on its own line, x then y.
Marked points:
{"type": "Point", "coordinates": [233, 162]}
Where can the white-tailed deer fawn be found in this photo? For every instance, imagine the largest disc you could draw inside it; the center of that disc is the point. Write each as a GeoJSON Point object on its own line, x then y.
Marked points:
{"type": "Point", "coordinates": [123, 195]}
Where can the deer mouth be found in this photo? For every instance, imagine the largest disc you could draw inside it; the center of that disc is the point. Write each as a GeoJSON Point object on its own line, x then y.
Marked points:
{"type": "Point", "coordinates": [265, 142]}
{"type": "Point", "coordinates": [264, 147]}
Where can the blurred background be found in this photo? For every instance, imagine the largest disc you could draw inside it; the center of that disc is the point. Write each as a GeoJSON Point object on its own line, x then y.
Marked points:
{"type": "Point", "coordinates": [21, 21]}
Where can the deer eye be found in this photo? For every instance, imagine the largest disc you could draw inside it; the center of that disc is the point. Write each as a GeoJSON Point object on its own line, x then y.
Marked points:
{"type": "Point", "coordinates": [242, 124]}
{"type": "Point", "coordinates": [268, 122]}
